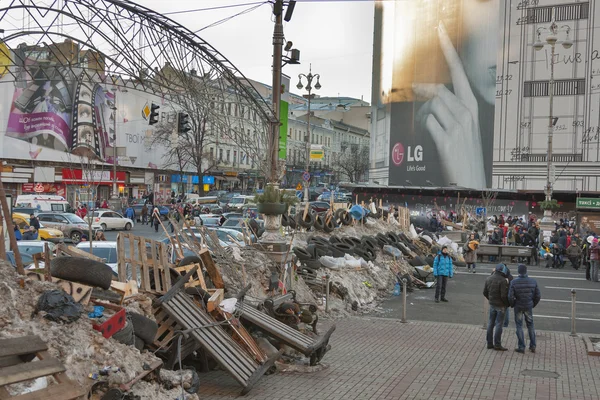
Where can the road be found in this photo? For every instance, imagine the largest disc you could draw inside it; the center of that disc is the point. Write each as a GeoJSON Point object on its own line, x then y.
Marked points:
{"type": "Point", "coordinates": [140, 230]}
{"type": "Point", "coordinates": [466, 301]}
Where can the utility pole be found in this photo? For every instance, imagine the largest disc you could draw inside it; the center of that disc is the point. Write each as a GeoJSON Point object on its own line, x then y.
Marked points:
{"type": "Point", "coordinates": [278, 39]}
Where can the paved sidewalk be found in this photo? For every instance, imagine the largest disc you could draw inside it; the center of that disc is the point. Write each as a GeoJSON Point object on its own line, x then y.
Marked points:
{"type": "Point", "coordinates": [377, 358]}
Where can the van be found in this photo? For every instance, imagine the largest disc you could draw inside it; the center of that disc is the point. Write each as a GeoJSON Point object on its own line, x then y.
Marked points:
{"type": "Point", "coordinates": [194, 199]}
{"type": "Point", "coordinates": [43, 202]}
{"type": "Point", "coordinates": [237, 202]}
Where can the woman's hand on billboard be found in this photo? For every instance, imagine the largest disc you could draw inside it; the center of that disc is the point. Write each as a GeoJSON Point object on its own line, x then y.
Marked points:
{"type": "Point", "coordinates": [452, 119]}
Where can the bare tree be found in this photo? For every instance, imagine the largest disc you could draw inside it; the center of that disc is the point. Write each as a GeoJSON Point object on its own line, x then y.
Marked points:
{"type": "Point", "coordinates": [352, 162]}
{"type": "Point", "coordinates": [488, 198]}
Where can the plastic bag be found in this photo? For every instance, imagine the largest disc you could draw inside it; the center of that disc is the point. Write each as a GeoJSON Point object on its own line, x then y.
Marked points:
{"type": "Point", "coordinates": [332, 262]}
{"type": "Point", "coordinates": [59, 306]}
{"type": "Point", "coordinates": [228, 305]}
{"type": "Point", "coordinates": [397, 289]}
{"type": "Point", "coordinates": [392, 251]}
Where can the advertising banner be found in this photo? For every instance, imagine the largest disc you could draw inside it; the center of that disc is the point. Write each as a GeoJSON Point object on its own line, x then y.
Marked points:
{"type": "Point", "coordinates": [435, 87]}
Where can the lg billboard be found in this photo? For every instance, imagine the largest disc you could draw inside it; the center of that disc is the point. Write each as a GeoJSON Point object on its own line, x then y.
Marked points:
{"type": "Point", "coordinates": [434, 89]}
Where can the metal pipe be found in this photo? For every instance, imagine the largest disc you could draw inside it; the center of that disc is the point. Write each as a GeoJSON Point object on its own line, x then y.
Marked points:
{"type": "Point", "coordinates": [403, 301]}
{"type": "Point", "coordinates": [327, 293]}
{"type": "Point", "coordinates": [278, 39]}
{"type": "Point", "coordinates": [573, 312]}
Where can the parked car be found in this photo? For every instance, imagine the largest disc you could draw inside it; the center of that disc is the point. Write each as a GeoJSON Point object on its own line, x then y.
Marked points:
{"type": "Point", "coordinates": [108, 219]}
{"type": "Point", "coordinates": [339, 197]}
{"type": "Point", "coordinates": [233, 215]}
{"type": "Point", "coordinates": [230, 236]}
{"type": "Point", "coordinates": [103, 249]}
{"type": "Point", "coordinates": [27, 248]}
{"type": "Point", "coordinates": [25, 258]}
{"type": "Point", "coordinates": [319, 206]}
{"type": "Point", "coordinates": [208, 220]}
{"type": "Point", "coordinates": [237, 202]}
{"type": "Point", "coordinates": [71, 225]}
{"type": "Point", "coordinates": [44, 202]}
{"type": "Point", "coordinates": [163, 211]}
{"type": "Point", "coordinates": [45, 232]}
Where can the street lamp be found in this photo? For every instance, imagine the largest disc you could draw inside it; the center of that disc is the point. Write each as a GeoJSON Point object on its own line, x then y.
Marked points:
{"type": "Point", "coordinates": [309, 79]}
{"type": "Point", "coordinates": [551, 39]}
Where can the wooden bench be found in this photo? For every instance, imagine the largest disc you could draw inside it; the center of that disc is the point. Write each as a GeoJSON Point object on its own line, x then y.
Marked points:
{"type": "Point", "coordinates": [16, 355]}
{"type": "Point", "coordinates": [201, 327]}
{"type": "Point", "coordinates": [315, 348]}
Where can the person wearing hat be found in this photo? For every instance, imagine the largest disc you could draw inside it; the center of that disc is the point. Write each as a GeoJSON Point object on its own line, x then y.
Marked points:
{"type": "Point", "coordinates": [594, 259]}
{"type": "Point", "coordinates": [524, 294]}
{"type": "Point", "coordinates": [442, 270]}
{"type": "Point", "coordinates": [496, 291]}
{"type": "Point", "coordinates": [470, 251]}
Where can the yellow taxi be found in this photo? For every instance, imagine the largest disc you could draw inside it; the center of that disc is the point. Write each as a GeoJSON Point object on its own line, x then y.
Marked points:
{"type": "Point", "coordinates": [22, 221]}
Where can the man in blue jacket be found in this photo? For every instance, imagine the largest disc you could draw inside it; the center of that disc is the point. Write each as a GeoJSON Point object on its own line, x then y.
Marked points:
{"type": "Point", "coordinates": [524, 294]}
{"type": "Point", "coordinates": [442, 270]}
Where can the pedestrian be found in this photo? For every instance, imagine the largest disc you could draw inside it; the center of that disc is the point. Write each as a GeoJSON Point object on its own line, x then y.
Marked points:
{"type": "Point", "coordinates": [33, 221]}
{"type": "Point", "coordinates": [594, 258]}
{"type": "Point", "coordinates": [104, 204]}
{"type": "Point", "coordinates": [510, 236]}
{"type": "Point", "coordinates": [574, 254]}
{"type": "Point", "coordinates": [470, 250]}
{"type": "Point", "coordinates": [30, 234]}
{"type": "Point", "coordinates": [442, 270]}
{"type": "Point", "coordinates": [130, 213]}
{"type": "Point", "coordinates": [100, 236]}
{"type": "Point", "coordinates": [144, 215]}
{"type": "Point", "coordinates": [18, 235]}
{"type": "Point", "coordinates": [524, 294]}
{"type": "Point", "coordinates": [496, 291]}
{"type": "Point", "coordinates": [155, 220]}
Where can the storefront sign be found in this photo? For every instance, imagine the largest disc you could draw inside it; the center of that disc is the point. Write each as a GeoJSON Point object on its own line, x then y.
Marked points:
{"type": "Point", "coordinates": [588, 202]}
{"type": "Point", "coordinates": [77, 177]}
{"type": "Point", "coordinates": [47, 188]}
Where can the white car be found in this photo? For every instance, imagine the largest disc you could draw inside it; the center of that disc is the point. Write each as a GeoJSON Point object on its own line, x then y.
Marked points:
{"type": "Point", "coordinates": [111, 220]}
{"type": "Point", "coordinates": [103, 249]}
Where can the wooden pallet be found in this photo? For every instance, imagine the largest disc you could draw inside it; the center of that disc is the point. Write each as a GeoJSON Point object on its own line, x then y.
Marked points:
{"type": "Point", "coordinates": [15, 367]}
{"type": "Point", "coordinates": [142, 264]}
{"type": "Point", "coordinates": [80, 293]}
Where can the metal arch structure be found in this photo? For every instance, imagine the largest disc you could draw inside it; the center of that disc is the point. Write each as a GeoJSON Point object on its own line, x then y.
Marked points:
{"type": "Point", "coordinates": [132, 44]}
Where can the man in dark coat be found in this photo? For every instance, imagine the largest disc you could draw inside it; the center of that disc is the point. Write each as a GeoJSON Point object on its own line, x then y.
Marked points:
{"type": "Point", "coordinates": [496, 291]}
{"type": "Point", "coordinates": [524, 294]}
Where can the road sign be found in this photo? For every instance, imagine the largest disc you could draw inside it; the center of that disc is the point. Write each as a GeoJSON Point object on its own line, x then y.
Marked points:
{"type": "Point", "coordinates": [299, 186]}
{"type": "Point", "coordinates": [299, 194]}
{"type": "Point", "coordinates": [306, 176]}
{"type": "Point", "coordinates": [480, 210]}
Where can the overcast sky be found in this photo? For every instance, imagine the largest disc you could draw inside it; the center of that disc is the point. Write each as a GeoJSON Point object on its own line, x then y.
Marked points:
{"type": "Point", "coordinates": [335, 36]}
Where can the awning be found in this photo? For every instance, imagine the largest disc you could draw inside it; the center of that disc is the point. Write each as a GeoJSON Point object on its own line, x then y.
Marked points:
{"type": "Point", "coordinates": [231, 179]}
{"type": "Point", "coordinates": [220, 178]}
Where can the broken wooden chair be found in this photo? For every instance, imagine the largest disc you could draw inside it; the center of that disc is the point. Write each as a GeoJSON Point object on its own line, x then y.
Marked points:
{"type": "Point", "coordinates": [16, 355]}
{"type": "Point", "coordinates": [209, 333]}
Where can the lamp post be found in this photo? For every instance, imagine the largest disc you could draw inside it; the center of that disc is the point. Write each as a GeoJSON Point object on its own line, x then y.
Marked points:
{"type": "Point", "coordinates": [309, 79]}
{"type": "Point", "coordinates": [115, 189]}
{"type": "Point", "coordinates": [551, 39]}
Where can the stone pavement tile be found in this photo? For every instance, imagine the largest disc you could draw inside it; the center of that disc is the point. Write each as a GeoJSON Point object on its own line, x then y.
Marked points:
{"type": "Point", "coordinates": [380, 358]}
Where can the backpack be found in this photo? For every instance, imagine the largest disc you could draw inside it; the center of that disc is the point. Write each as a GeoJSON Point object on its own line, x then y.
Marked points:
{"type": "Point", "coordinates": [510, 233]}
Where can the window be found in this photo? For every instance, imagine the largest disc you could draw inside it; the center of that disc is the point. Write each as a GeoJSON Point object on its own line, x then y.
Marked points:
{"type": "Point", "coordinates": [220, 154]}
{"type": "Point", "coordinates": [234, 157]}
{"type": "Point", "coordinates": [212, 151]}
{"type": "Point", "coordinates": [290, 135]}
{"type": "Point", "coordinates": [228, 155]}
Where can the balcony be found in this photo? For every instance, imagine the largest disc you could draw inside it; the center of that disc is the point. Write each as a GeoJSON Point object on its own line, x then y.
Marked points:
{"type": "Point", "coordinates": [555, 157]}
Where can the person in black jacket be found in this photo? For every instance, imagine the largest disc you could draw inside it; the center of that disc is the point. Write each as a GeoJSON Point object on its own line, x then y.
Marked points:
{"type": "Point", "coordinates": [33, 221]}
{"type": "Point", "coordinates": [496, 291]}
{"type": "Point", "coordinates": [524, 294]}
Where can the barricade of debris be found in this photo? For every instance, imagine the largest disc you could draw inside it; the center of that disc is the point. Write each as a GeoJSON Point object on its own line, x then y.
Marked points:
{"type": "Point", "coordinates": [151, 329]}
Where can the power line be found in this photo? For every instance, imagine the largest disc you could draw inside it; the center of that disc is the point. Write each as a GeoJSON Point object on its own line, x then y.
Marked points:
{"type": "Point", "coordinates": [212, 8]}
{"type": "Point", "coordinates": [221, 21]}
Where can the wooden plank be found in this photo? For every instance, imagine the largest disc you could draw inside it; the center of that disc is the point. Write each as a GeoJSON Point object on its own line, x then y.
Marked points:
{"type": "Point", "coordinates": [75, 252]}
{"type": "Point", "coordinates": [27, 371]}
{"type": "Point", "coordinates": [159, 284]}
{"type": "Point", "coordinates": [145, 267]}
{"type": "Point", "coordinates": [164, 261]}
{"type": "Point", "coordinates": [81, 293]}
{"type": "Point", "coordinates": [132, 263]}
{"type": "Point", "coordinates": [121, 263]}
{"type": "Point", "coordinates": [211, 269]}
{"type": "Point", "coordinates": [64, 391]}
{"type": "Point", "coordinates": [196, 279]}
{"type": "Point", "coordinates": [22, 345]}
{"type": "Point", "coordinates": [243, 338]}
{"type": "Point", "coordinates": [215, 300]}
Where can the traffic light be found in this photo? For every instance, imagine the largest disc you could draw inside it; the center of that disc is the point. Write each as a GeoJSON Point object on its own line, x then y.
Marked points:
{"type": "Point", "coordinates": [153, 119]}
{"type": "Point", "coordinates": [183, 124]}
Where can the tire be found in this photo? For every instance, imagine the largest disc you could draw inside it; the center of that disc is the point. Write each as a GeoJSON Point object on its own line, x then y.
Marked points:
{"type": "Point", "coordinates": [311, 250]}
{"type": "Point", "coordinates": [347, 219]}
{"type": "Point", "coordinates": [322, 251]}
{"type": "Point", "coordinates": [143, 327]}
{"type": "Point", "coordinates": [312, 265]}
{"type": "Point", "coordinates": [319, 224]}
{"type": "Point", "coordinates": [328, 227]}
{"type": "Point", "coordinates": [76, 236]}
{"type": "Point", "coordinates": [292, 223]}
{"type": "Point", "coordinates": [366, 254]}
{"type": "Point", "coordinates": [342, 248]}
{"type": "Point", "coordinates": [125, 335]}
{"type": "Point", "coordinates": [417, 261]}
{"type": "Point", "coordinates": [371, 253]}
{"type": "Point", "coordinates": [392, 238]}
{"type": "Point", "coordinates": [128, 226]}
{"type": "Point", "coordinates": [301, 253]}
{"type": "Point", "coordinates": [307, 222]}
{"type": "Point", "coordinates": [351, 241]}
{"type": "Point", "coordinates": [138, 343]}
{"type": "Point", "coordinates": [339, 214]}
{"type": "Point", "coordinates": [318, 240]}
{"type": "Point", "coordinates": [369, 241]}
{"type": "Point", "coordinates": [382, 239]}
{"type": "Point", "coordinates": [103, 226]}
{"type": "Point", "coordinates": [189, 260]}
{"type": "Point", "coordinates": [82, 270]}
{"type": "Point", "coordinates": [284, 220]}
{"type": "Point", "coordinates": [334, 240]}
